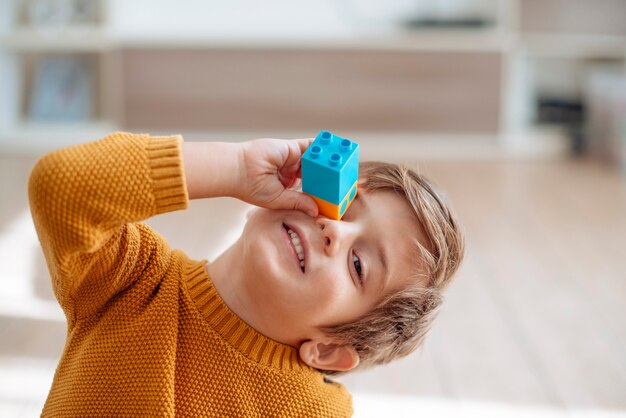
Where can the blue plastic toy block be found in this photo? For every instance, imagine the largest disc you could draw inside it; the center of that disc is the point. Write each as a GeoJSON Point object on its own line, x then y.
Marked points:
{"type": "Point", "coordinates": [330, 170]}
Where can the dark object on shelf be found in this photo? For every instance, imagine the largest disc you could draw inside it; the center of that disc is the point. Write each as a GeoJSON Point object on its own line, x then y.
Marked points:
{"type": "Point", "coordinates": [567, 112]}
{"type": "Point", "coordinates": [435, 23]}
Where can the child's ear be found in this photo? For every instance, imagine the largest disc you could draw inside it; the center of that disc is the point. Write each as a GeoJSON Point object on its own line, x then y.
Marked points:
{"type": "Point", "coordinates": [329, 355]}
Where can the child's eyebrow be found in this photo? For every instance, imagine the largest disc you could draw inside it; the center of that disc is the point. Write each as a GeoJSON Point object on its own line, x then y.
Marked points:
{"type": "Point", "coordinates": [380, 249]}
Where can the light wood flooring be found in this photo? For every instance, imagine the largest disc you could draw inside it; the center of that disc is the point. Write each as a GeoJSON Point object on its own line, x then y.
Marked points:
{"type": "Point", "coordinates": [535, 318]}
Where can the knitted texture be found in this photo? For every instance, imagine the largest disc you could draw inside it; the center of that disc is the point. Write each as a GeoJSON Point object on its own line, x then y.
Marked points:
{"type": "Point", "coordinates": [148, 334]}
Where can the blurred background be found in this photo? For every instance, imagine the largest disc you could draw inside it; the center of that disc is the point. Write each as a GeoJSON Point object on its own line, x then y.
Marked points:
{"type": "Point", "coordinates": [517, 108]}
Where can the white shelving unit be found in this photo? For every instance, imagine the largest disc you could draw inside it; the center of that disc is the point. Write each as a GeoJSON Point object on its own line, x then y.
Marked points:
{"type": "Point", "coordinates": [24, 45]}
{"type": "Point", "coordinates": [118, 25]}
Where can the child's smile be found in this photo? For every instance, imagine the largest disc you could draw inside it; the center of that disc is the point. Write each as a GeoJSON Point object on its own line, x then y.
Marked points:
{"type": "Point", "coordinates": [297, 245]}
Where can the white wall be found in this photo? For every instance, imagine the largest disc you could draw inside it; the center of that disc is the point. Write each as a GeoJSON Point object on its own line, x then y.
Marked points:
{"type": "Point", "coordinates": [316, 19]}
{"type": "Point", "coordinates": [225, 19]}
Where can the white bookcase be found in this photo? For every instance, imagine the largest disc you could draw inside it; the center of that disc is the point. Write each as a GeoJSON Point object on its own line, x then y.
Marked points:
{"type": "Point", "coordinates": [117, 25]}
{"type": "Point", "coordinates": [34, 36]}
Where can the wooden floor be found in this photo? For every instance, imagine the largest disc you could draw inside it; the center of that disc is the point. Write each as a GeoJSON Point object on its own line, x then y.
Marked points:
{"type": "Point", "coordinates": [536, 317]}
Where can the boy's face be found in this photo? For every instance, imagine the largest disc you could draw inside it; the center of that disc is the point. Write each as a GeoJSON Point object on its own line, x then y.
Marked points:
{"type": "Point", "coordinates": [289, 303]}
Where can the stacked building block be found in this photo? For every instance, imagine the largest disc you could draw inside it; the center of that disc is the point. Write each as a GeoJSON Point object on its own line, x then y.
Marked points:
{"type": "Point", "coordinates": [330, 170]}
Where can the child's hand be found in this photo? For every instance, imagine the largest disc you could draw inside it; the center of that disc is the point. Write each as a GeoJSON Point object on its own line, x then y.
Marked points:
{"type": "Point", "coordinates": [269, 170]}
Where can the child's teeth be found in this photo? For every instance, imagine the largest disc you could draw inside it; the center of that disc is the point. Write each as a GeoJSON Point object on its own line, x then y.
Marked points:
{"type": "Point", "coordinates": [296, 243]}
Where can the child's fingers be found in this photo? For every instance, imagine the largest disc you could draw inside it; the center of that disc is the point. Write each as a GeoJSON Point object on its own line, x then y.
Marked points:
{"type": "Point", "coordinates": [291, 167]}
{"type": "Point", "coordinates": [304, 143]}
{"type": "Point", "coordinates": [291, 199]}
{"type": "Point", "coordinates": [297, 147]}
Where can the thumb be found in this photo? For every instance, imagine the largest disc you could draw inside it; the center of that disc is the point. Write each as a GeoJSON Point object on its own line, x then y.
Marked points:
{"type": "Point", "coordinates": [291, 199]}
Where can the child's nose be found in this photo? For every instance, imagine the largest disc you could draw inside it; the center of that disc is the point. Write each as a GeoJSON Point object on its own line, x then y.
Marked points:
{"type": "Point", "coordinates": [335, 234]}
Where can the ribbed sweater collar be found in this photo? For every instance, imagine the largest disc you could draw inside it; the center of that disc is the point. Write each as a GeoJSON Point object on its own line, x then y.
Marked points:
{"type": "Point", "coordinates": [235, 331]}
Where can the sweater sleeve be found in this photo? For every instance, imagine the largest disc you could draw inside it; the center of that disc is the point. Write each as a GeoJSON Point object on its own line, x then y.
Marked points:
{"type": "Point", "coordinates": [85, 201]}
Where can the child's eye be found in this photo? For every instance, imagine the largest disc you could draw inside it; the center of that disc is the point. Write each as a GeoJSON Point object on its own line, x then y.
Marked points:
{"type": "Point", "coordinates": [356, 261]}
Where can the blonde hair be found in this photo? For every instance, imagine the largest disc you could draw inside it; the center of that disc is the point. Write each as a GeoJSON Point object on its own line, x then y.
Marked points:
{"type": "Point", "coordinates": [400, 322]}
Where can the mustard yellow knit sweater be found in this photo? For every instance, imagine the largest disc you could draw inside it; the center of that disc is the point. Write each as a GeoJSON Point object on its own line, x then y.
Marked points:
{"type": "Point", "coordinates": [148, 335]}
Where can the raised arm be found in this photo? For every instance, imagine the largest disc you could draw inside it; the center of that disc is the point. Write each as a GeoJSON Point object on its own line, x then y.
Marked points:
{"type": "Point", "coordinates": [211, 168]}
{"type": "Point", "coordinates": [262, 172]}
{"type": "Point", "coordinates": [85, 201]}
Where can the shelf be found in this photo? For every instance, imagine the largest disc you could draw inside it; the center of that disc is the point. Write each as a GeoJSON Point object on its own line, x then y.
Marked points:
{"type": "Point", "coordinates": [534, 142]}
{"type": "Point", "coordinates": [31, 308]}
{"type": "Point", "coordinates": [96, 40]}
{"type": "Point", "coordinates": [38, 138]}
{"type": "Point", "coordinates": [64, 39]}
{"type": "Point", "coordinates": [540, 142]}
{"type": "Point", "coordinates": [422, 40]}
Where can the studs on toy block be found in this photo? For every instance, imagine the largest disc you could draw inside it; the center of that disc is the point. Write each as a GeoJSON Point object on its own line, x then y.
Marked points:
{"type": "Point", "coordinates": [330, 170]}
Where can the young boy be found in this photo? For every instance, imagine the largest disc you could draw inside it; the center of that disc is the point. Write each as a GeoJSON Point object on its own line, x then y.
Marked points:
{"type": "Point", "coordinates": [298, 296]}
